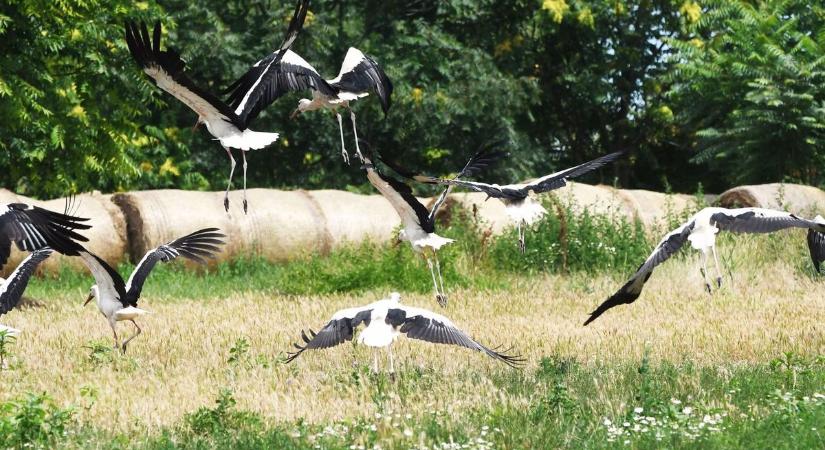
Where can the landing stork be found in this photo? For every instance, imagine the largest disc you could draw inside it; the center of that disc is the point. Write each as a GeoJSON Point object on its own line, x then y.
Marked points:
{"type": "Point", "coordinates": [387, 319]}
{"type": "Point", "coordinates": [418, 222]}
{"type": "Point", "coordinates": [700, 230]}
{"type": "Point", "coordinates": [118, 301]}
{"type": "Point", "coordinates": [230, 127]}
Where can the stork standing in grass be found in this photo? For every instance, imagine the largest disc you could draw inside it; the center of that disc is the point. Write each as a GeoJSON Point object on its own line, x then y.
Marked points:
{"type": "Point", "coordinates": [360, 74]}
{"type": "Point", "coordinates": [228, 125]}
{"type": "Point", "coordinates": [520, 207]}
{"type": "Point", "coordinates": [11, 291]}
{"type": "Point", "coordinates": [419, 223]}
{"type": "Point", "coordinates": [700, 230]}
{"type": "Point", "coordinates": [385, 320]}
{"type": "Point", "coordinates": [118, 301]}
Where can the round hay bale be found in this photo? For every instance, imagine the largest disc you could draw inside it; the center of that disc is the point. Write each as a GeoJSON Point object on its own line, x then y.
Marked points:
{"type": "Point", "coordinates": [107, 237]}
{"type": "Point", "coordinates": [281, 225]}
{"type": "Point", "coordinates": [653, 208]}
{"type": "Point", "coordinates": [354, 218]}
{"type": "Point", "coordinates": [795, 198]}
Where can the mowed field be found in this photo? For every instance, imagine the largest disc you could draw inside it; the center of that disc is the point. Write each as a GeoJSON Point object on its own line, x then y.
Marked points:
{"type": "Point", "coordinates": [742, 368]}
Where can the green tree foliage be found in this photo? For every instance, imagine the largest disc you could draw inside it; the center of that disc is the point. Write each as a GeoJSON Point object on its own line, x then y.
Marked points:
{"type": "Point", "coordinates": [751, 82]}
{"type": "Point", "coordinates": [563, 80]}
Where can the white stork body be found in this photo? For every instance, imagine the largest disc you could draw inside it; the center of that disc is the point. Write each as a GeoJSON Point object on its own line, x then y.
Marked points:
{"type": "Point", "coordinates": [117, 301]}
{"type": "Point", "coordinates": [230, 127]}
{"type": "Point", "coordinates": [701, 230]}
{"type": "Point", "coordinates": [387, 319]}
{"type": "Point", "coordinates": [520, 207]}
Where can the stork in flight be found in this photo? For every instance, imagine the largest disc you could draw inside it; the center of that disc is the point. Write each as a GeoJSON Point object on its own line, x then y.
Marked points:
{"type": "Point", "coordinates": [384, 321]}
{"type": "Point", "coordinates": [700, 230]}
{"type": "Point", "coordinates": [118, 301]}
{"type": "Point", "coordinates": [32, 228]}
{"type": "Point", "coordinates": [11, 291]}
{"type": "Point", "coordinates": [360, 74]}
{"type": "Point", "coordinates": [419, 223]}
{"type": "Point", "coordinates": [519, 206]}
{"type": "Point", "coordinates": [229, 126]}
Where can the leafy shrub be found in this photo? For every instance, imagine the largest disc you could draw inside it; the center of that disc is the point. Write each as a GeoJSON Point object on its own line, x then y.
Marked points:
{"type": "Point", "coordinates": [33, 421]}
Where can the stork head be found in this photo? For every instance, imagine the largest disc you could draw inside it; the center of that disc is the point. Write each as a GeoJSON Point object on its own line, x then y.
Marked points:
{"type": "Point", "coordinates": [94, 292]}
{"type": "Point", "coordinates": [304, 104]}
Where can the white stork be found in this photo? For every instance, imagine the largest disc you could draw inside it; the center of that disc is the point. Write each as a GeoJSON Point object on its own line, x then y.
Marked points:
{"type": "Point", "coordinates": [231, 128]}
{"type": "Point", "coordinates": [32, 228]}
{"type": "Point", "coordinates": [700, 230]}
{"type": "Point", "coordinates": [359, 75]}
{"type": "Point", "coordinates": [385, 320]}
{"type": "Point", "coordinates": [117, 300]}
{"type": "Point", "coordinates": [519, 206]}
{"type": "Point", "coordinates": [13, 287]}
{"type": "Point", "coordinates": [816, 244]}
{"type": "Point", "coordinates": [418, 223]}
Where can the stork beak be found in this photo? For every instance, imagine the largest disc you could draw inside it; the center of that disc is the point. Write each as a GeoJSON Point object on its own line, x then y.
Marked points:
{"type": "Point", "coordinates": [294, 114]}
{"type": "Point", "coordinates": [88, 299]}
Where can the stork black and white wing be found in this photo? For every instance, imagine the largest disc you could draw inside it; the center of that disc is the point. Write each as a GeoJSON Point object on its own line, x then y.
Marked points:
{"type": "Point", "coordinates": [760, 220]}
{"type": "Point", "coordinates": [278, 73]}
{"type": "Point", "coordinates": [32, 228]}
{"type": "Point", "coordinates": [12, 289]}
{"type": "Point", "coordinates": [166, 69]}
{"type": "Point", "coordinates": [428, 326]}
{"type": "Point", "coordinates": [633, 288]}
{"type": "Point", "coordinates": [339, 329]}
{"type": "Point", "coordinates": [281, 72]}
{"type": "Point", "coordinates": [361, 74]}
{"type": "Point", "coordinates": [196, 246]}
{"type": "Point", "coordinates": [559, 179]}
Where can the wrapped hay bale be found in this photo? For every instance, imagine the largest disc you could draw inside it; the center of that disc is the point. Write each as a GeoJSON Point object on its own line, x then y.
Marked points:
{"type": "Point", "coordinates": [795, 198]}
{"type": "Point", "coordinates": [280, 226]}
{"type": "Point", "coordinates": [653, 208]}
{"type": "Point", "coordinates": [354, 218]}
{"type": "Point", "coordinates": [107, 237]}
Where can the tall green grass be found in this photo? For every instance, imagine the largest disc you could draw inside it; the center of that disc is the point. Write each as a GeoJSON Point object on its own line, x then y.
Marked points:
{"type": "Point", "coordinates": [569, 239]}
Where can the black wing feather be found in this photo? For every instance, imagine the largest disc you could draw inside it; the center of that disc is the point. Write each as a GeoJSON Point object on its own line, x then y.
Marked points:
{"type": "Point", "coordinates": [12, 290]}
{"type": "Point", "coordinates": [32, 228]}
{"type": "Point", "coordinates": [631, 290]}
{"type": "Point", "coordinates": [367, 76]}
{"type": "Point", "coordinates": [334, 333]}
{"type": "Point", "coordinates": [147, 54]}
{"type": "Point", "coordinates": [275, 79]}
{"type": "Point", "coordinates": [560, 179]}
{"type": "Point", "coordinates": [434, 331]}
{"type": "Point", "coordinates": [196, 246]}
{"type": "Point", "coordinates": [816, 245]}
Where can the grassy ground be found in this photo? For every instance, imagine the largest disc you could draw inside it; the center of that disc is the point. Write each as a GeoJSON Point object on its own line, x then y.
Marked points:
{"type": "Point", "coordinates": [744, 368]}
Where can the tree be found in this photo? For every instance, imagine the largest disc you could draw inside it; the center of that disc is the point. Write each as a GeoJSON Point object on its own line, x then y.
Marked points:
{"type": "Point", "coordinates": [751, 83]}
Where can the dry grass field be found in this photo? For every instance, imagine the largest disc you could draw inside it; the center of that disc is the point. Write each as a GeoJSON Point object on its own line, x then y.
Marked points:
{"type": "Point", "coordinates": [195, 349]}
